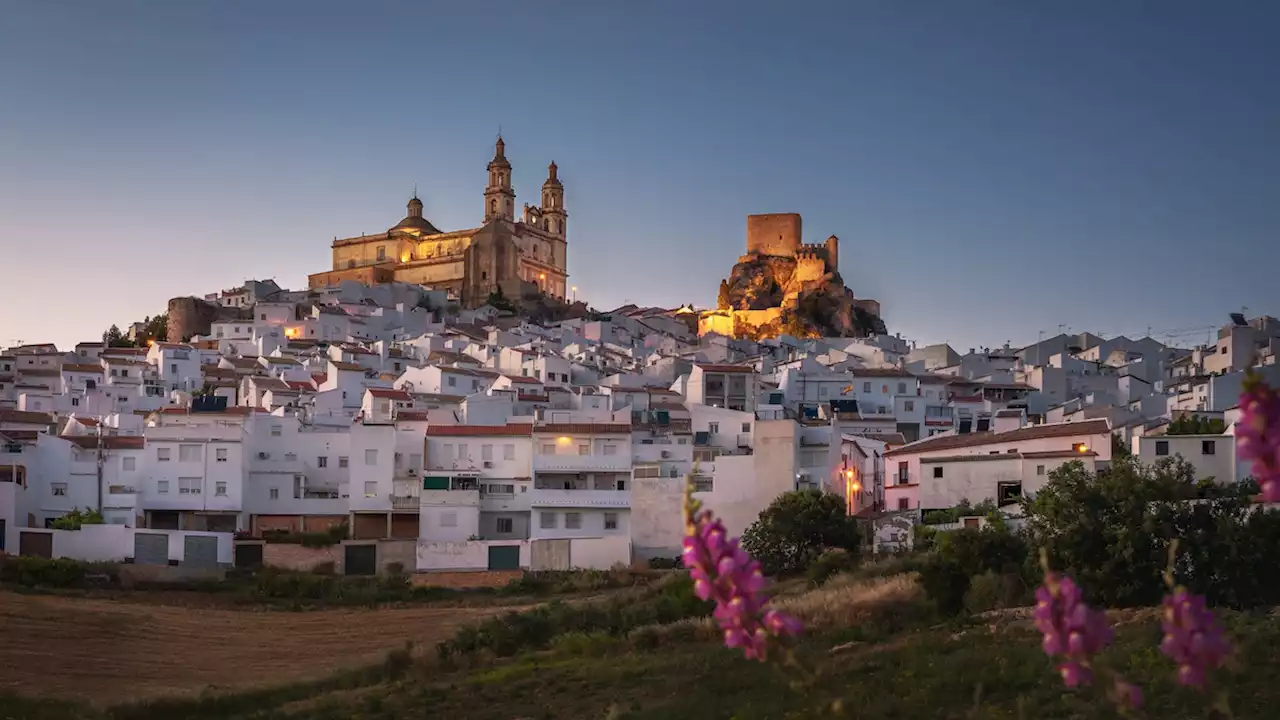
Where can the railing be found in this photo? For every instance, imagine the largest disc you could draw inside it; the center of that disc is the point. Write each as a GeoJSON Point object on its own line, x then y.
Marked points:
{"type": "Point", "coordinates": [405, 502]}
{"type": "Point", "coordinates": [580, 498]}
{"type": "Point", "coordinates": [584, 463]}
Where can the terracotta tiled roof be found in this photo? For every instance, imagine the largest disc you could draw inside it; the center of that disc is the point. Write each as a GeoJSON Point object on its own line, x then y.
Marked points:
{"type": "Point", "coordinates": [97, 369]}
{"type": "Point", "coordinates": [21, 435]}
{"type": "Point", "coordinates": [34, 372]}
{"type": "Point", "coordinates": [1059, 454]}
{"type": "Point", "coordinates": [934, 379]}
{"type": "Point", "coordinates": [522, 379]}
{"type": "Point", "coordinates": [881, 373]}
{"type": "Point", "coordinates": [445, 356]}
{"type": "Point", "coordinates": [124, 351]}
{"type": "Point", "coordinates": [412, 416]}
{"type": "Point", "coordinates": [722, 368]}
{"type": "Point", "coordinates": [887, 438]}
{"type": "Point", "coordinates": [470, 372]}
{"type": "Point", "coordinates": [86, 421]}
{"type": "Point", "coordinates": [585, 428]}
{"type": "Point", "coordinates": [110, 442]}
{"type": "Point", "coordinates": [346, 366]}
{"type": "Point", "coordinates": [174, 346]}
{"type": "Point", "coordinates": [243, 363]}
{"type": "Point", "coordinates": [23, 416]}
{"type": "Point", "coordinates": [533, 397]}
{"type": "Point", "coordinates": [391, 394]}
{"type": "Point", "coordinates": [437, 398]}
{"type": "Point", "coordinates": [972, 458]}
{"type": "Point", "coordinates": [264, 383]}
{"type": "Point", "coordinates": [319, 377]}
{"type": "Point", "coordinates": [1008, 413]}
{"type": "Point", "coordinates": [235, 410]}
{"type": "Point", "coordinates": [300, 385]}
{"type": "Point", "coordinates": [484, 430]}
{"type": "Point", "coordinates": [1033, 432]}
{"type": "Point", "coordinates": [282, 361]}
{"type": "Point", "coordinates": [212, 371]}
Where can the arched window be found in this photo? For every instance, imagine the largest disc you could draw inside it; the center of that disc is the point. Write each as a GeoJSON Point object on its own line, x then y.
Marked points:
{"type": "Point", "coordinates": [493, 206]}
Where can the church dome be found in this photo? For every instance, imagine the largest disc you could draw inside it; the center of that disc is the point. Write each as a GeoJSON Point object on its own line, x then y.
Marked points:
{"type": "Point", "coordinates": [415, 221]}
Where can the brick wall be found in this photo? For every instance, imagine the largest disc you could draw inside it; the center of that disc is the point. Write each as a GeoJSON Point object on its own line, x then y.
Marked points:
{"type": "Point", "coordinates": [296, 557]}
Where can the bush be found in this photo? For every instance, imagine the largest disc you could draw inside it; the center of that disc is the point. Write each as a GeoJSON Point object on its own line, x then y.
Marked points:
{"type": "Point", "coordinates": [796, 528]}
{"type": "Point", "coordinates": [1112, 531]}
{"type": "Point", "coordinates": [662, 563]}
{"type": "Point", "coordinates": [77, 518]}
{"type": "Point", "coordinates": [58, 573]}
{"type": "Point", "coordinates": [829, 563]}
{"type": "Point", "coordinates": [561, 582]}
{"type": "Point", "coordinates": [959, 555]}
{"type": "Point", "coordinates": [334, 535]}
{"type": "Point", "coordinates": [534, 629]}
{"type": "Point", "coordinates": [585, 644]}
{"type": "Point", "coordinates": [993, 591]}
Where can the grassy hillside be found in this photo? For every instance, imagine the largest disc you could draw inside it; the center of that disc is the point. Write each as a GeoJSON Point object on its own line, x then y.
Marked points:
{"type": "Point", "coordinates": [875, 651]}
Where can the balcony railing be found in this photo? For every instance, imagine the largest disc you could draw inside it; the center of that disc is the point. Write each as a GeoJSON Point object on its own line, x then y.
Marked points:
{"type": "Point", "coordinates": [583, 463]}
{"type": "Point", "coordinates": [580, 498]}
{"type": "Point", "coordinates": [405, 502]}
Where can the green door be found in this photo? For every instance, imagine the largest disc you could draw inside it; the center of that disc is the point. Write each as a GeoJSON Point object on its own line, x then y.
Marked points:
{"type": "Point", "coordinates": [504, 557]}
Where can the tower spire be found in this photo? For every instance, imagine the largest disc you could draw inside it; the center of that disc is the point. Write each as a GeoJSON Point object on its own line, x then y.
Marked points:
{"type": "Point", "coordinates": [499, 197]}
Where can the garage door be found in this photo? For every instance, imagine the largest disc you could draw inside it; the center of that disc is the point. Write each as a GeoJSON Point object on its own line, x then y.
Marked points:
{"type": "Point", "coordinates": [504, 557]}
{"type": "Point", "coordinates": [199, 551]}
{"type": "Point", "coordinates": [361, 560]}
{"type": "Point", "coordinates": [39, 544]}
{"type": "Point", "coordinates": [150, 549]}
{"type": "Point", "coordinates": [248, 555]}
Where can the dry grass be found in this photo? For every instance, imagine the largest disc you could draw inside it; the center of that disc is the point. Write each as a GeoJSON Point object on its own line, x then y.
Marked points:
{"type": "Point", "coordinates": [846, 601]}
{"type": "Point", "coordinates": [106, 652]}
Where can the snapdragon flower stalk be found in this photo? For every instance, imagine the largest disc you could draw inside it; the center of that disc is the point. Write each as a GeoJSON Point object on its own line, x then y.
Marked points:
{"type": "Point", "coordinates": [1193, 639]}
{"type": "Point", "coordinates": [1258, 434]}
{"type": "Point", "coordinates": [724, 573]}
{"type": "Point", "coordinates": [1076, 633]}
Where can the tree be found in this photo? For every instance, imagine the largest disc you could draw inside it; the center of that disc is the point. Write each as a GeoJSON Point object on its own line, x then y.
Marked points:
{"type": "Point", "coordinates": [1118, 448]}
{"type": "Point", "coordinates": [796, 528]}
{"type": "Point", "coordinates": [114, 338]}
{"type": "Point", "coordinates": [76, 518]}
{"type": "Point", "coordinates": [1196, 425]}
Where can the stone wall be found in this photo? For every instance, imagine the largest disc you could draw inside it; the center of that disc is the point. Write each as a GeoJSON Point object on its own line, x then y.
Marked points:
{"type": "Point", "coordinates": [296, 557]}
{"type": "Point", "coordinates": [773, 234]}
{"type": "Point", "coordinates": [190, 316]}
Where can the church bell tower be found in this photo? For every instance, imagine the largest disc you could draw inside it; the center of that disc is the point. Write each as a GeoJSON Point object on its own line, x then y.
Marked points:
{"type": "Point", "coordinates": [499, 198]}
{"type": "Point", "coordinates": [553, 202]}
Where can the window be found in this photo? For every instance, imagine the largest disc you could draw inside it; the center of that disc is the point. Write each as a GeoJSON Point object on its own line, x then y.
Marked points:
{"type": "Point", "coordinates": [274, 494]}
{"type": "Point", "coordinates": [1208, 447]}
{"type": "Point", "coordinates": [713, 428]}
{"type": "Point", "coordinates": [909, 406]}
{"type": "Point", "coordinates": [547, 520]}
{"type": "Point", "coordinates": [1039, 469]}
{"type": "Point", "coordinates": [1162, 447]}
{"type": "Point", "coordinates": [549, 449]}
{"type": "Point", "coordinates": [937, 471]}
{"type": "Point", "coordinates": [486, 452]}
{"type": "Point", "coordinates": [59, 489]}
{"type": "Point", "coordinates": [220, 488]}
{"type": "Point", "coordinates": [904, 503]}
{"type": "Point", "coordinates": [866, 387]}
{"type": "Point", "coordinates": [189, 486]}
{"type": "Point", "coordinates": [902, 388]}
{"type": "Point", "coordinates": [508, 452]}
{"type": "Point", "coordinates": [682, 441]}
{"type": "Point", "coordinates": [611, 521]}
{"type": "Point", "coordinates": [584, 449]}
{"type": "Point", "coordinates": [1079, 447]}
{"type": "Point", "coordinates": [75, 402]}
{"type": "Point", "coordinates": [128, 464]}
{"type": "Point", "coordinates": [371, 488]}
{"type": "Point", "coordinates": [573, 521]}
{"type": "Point", "coordinates": [173, 368]}
{"type": "Point", "coordinates": [902, 473]}
{"type": "Point", "coordinates": [370, 457]}
{"type": "Point", "coordinates": [610, 449]}
{"type": "Point", "coordinates": [322, 461]}
{"type": "Point", "coordinates": [505, 525]}
{"type": "Point", "coordinates": [453, 381]}
{"type": "Point", "coordinates": [382, 253]}
{"type": "Point", "coordinates": [162, 454]}
{"type": "Point", "coordinates": [702, 484]}
{"type": "Point", "coordinates": [462, 452]}
{"type": "Point", "coordinates": [343, 461]}
{"type": "Point", "coordinates": [220, 454]}
{"type": "Point", "coordinates": [449, 519]}
{"type": "Point", "coordinates": [162, 487]}
{"type": "Point", "coordinates": [275, 430]}
{"type": "Point", "coordinates": [1224, 349]}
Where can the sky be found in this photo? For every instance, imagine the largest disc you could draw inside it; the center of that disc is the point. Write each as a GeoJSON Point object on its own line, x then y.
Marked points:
{"type": "Point", "coordinates": [994, 170]}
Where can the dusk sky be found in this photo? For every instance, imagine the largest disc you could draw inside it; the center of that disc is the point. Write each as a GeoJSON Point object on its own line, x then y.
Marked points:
{"type": "Point", "coordinates": [991, 170]}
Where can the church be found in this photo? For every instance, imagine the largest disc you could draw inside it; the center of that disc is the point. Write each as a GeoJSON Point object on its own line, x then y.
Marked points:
{"type": "Point", "coordinates": [502, 254]}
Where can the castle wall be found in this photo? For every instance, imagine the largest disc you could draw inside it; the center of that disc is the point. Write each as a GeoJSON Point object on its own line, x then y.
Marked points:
{"type": "Point", "coordinates": [729, 322]}
{"type": "Point", "coordinates": [367, 275]}
{"type": "Point", "coordinates": [832, 246]}
{"type": "Point", "coordinates": [192, 316]}
{"type": "Point", "coordinates": [810, 267]}
{"type": "Point", "coordinates": [774, 234]}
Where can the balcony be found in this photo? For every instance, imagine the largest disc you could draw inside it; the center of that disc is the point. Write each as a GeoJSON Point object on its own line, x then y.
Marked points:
{"type": "Point", "coordinates": [448, 498]}
{"type": "Point", "coordinates": [582, 463]}
{"type": "Point", "coordinates": [405, 502]}
{"type": "Point", "coordinates": [580, 498]}
{"type": "Point", "coordinates": [121, 497]}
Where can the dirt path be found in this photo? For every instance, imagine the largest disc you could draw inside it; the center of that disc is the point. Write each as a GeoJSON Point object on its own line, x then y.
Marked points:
{"type": "Point", "coordinates": [106, 651]}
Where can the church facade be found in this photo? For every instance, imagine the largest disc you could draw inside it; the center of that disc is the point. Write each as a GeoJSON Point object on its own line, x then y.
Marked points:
{"type": "Point", "coordinates": [506, 254]}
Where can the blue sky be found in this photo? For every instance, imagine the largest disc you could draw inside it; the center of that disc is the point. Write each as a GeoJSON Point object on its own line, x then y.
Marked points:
{"type": "Point", "coordinates": [992, 169]}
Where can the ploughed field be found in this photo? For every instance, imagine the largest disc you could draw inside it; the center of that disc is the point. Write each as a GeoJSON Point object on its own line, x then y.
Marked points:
{"type": "Point", "coordinates": [107, 652]}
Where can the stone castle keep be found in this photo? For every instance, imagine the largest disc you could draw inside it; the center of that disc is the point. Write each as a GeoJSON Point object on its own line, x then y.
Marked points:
{"type": "Point", "coordinates": [782, 285]}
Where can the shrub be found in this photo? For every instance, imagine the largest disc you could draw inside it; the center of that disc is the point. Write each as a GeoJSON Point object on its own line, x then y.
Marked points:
{"type": "Point", "coordinates": [585, 644]}
{"type": "Point", "coordinates": [534, 629]}
{"type": "Point", "coordinates": [961, 554]}
{"type": "Point", "coordinates": [60, 573]}
{"type": "Point", "coordinates": [662, 563]}
{"type": "Point", "coordinates": [77, 518]}
{"type": "Point", "coordinates": [829, 563]}
{"type": "Point", "coordinates": [993, 591]}
{"type": "Point", "coordinates": [1111, 531]}
{"type": "Point", "coordinates": [796, 528]}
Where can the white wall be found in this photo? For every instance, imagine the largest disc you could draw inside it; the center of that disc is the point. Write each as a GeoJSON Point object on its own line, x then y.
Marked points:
{"type": "Point", "coordinates": [600, 553]}
{"type": "Point", "coordinates": [1220, 465]}
{"type": "Point", "coordinates": [467, 555]}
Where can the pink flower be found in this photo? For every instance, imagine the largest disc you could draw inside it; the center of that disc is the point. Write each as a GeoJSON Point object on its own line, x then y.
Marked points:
{"type": "Point", "coordinates": [724, 573]}
{"type": "Point", "coordinates": [1258, 434]}
{"type": "Point", "coordinates": [1192, 637]}
{"type": "Point", "coordinates": [1072, 630]}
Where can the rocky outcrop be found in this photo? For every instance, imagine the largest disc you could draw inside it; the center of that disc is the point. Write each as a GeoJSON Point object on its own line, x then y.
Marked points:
{"type": "Point", "coordinates": [812, 304]}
